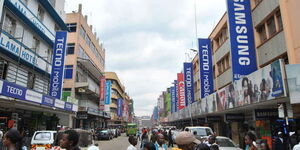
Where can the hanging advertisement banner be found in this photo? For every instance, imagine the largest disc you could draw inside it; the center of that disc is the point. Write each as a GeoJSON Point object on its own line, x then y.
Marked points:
{"type": "Point", "coordinates": [242, 38]}
{"type": "Point", "coordinates": [120, 107]}
{"type": "Point", "coordinates": [189, 83]}
{"type": "Point", "coordinates": [168, 99]}
{"type": "Point", "coordinates": [57, 73]}
{"type": "Point", "coordinates": [173, 99]}
{"type": "Point", "coordinates": [107, 96]}
{"type": "Point", "coordinates": [293, 78]}
{"type": "Point", "coordinates": [102, 93]}
{"type": "Point", "coordinates": [180, 89]}
{"type": "Point", "coordinates": [206, 69]}
{"type": "Point", "coordinates": [176, 95]}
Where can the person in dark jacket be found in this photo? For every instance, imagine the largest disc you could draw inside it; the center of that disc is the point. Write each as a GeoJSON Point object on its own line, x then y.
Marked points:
{"type": "Point", "coordinates": [280, 143]}
{"type": "Point", "coordinates": [170, 138]}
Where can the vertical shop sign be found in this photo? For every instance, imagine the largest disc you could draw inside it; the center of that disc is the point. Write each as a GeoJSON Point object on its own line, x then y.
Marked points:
{"type": "Point", "coordinates": [168, 97]}
{"type": "Point", "coordinates": [206, 69]}
{"type": "Point", "coordinates": [102, 93]}
{"type": "Point", "coordinates": [180, 89]}
{"type": "Point", "coordinates": [241, 37]}
{"type": "Point", "coordinates": [120, 107]}
{"type": "Point", "coordinates": [189, 83]}
{"type": "Point", "coordinates": [57, 73]}
{"type": "Point", "coordinates": [107, 96]}
{"type": "Point", "coordinates": [176, 95]}
{"type": "Point", "coordinates": [173, 97]}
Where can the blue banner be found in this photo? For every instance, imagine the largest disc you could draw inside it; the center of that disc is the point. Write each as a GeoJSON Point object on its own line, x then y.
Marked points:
{"type": "Point", "coordinates": [57, 73]}
{"type": "Point", "coordinates": [176, 95]}
{"type": "Point", "coordinates": [155, 113]}
{"type": "Point", "coordinates": [120, 107]}
{"type": "Point", "coordinates": [173, 97]}
{"type": "Point", "coordinates": [189, 83]}
{"type": "Point", "coordinates": [206, 69]}
{"type": "Point", "coordinates": [68, 106]}
{"type": "Point", "coordinates": [47, 100]}
{"type": "Point", "coordinates": [243, 55]}
{"type": "Point", "coordinates": [108, 92]}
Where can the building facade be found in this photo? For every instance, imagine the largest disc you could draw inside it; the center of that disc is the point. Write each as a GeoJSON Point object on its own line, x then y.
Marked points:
{"type": "Point", "coordinates": [260, 100]}
{"type": "Point", "coordinates": [120, 104]}
{"type": "Point", "coordinates": [27, 36]}
{"type": "Point", "coordinates": [84, 68]}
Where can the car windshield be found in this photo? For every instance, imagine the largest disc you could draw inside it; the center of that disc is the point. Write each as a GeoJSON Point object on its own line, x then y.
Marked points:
{"type": "Point", "coordinates": [43, 136]}
{"type": "Point", "coordinates": [104, 131]}
{"type": "Point", "coordinates": [225, 143]}
{"type": "Point", "coordinates": [201, 131]}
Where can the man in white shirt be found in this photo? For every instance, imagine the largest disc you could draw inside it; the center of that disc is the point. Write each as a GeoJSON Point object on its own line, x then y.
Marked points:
{"type": "Point", "coordinates": [133, 142]}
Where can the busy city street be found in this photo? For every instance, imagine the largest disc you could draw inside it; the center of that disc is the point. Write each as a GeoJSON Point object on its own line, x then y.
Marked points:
{"type": "Point", "coordinates": [149, 75]}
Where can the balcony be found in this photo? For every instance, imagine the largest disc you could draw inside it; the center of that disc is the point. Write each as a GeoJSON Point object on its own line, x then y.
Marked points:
{"type": "Point", "coordinates": [17, 50]}
{"type": "Point", "coordinates": [88, 65]}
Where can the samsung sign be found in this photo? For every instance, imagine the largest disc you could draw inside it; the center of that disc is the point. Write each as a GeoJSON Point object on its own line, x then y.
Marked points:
{"type": "Point", "coordinates": [241, 37]}
{"type": "Point", "coordinates": [57, 74]}
{"type": "Point", "coordinates": [189, 83]}
{"type": "Point", "coordinates": [206, 70]}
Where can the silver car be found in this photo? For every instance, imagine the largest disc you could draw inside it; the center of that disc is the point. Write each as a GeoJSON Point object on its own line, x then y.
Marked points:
{"type": "Point", "coordinates": [226, 143]}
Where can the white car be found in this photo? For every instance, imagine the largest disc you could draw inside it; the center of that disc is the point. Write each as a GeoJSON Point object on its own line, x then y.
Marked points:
{"type": "Point", "coordinates": [43, 140]}
{"type": "Point", "coordinates": [200, 131]}
{"type": "Point", "coordinates": [226, 143]}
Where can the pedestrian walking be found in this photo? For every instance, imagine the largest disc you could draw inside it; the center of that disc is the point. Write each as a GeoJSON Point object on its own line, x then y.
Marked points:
{"type": "Point", "coordinates": [160, 142]}
{"type": "Point", "coordinates": [12, 140]}
{"type": "Point", "coordinates": [138, 135]}
{"type": "Point", "coordinates": [69, 140]}
{"type": "Point", "coordinates": [280, 143]}
{"type": "Point", "coordinates": [249, 139]}
{"type": "Point", "coordinates": [145, 139]}
{"type": "Point", "coordinates": [186, 140]}
{"type": "Point", "coordinates": [170, 136]}
{"type": "Point", "coordinates": [149, 146]}
{"type": "Point", "coordinates": [133, 142]}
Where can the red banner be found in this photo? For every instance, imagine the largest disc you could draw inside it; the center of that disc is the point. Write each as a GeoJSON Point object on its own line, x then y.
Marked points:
{"type": "Point", "coordinates": [102, 93]}
{"type": "Point", "coordinates": [181, 98]}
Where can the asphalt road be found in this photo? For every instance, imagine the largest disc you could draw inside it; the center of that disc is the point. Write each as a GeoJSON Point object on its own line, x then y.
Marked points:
{"type": "Point", "coordinates": [120, 143]}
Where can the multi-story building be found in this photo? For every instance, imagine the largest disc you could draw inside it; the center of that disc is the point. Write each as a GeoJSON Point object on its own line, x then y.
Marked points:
{"type": "Point", "coordinates": [118, 94]}
{"type": "Point", "coordinates": [255, 101]}
{"type": "Point", "coordinates": [27, 38]}
{"type": "Point", "coordinates": [84, 68]}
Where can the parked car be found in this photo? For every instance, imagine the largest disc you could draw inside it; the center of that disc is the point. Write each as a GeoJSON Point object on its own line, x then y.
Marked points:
{"type": "Point", "coordinates": [105, 135]}
{"type": "Point", "coordinates": [226, 143]}
{"type": "Point", "coordinates": [86, 140]}
{"type": "Point", "coordinates": [200, 131]}
{"type": "Point", "coordinates": [42, 140]}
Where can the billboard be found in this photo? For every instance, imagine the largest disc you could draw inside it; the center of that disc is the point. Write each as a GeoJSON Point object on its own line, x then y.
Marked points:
{"type": "Point", "coordinates": [180, 89]}
{"type": "Point", "coordinates": [293, 78]}
{"type": "Point", "coordinates": [102, 93]}
{"type": "Point", "coordinates": [168, 98]}
{"type": "Point", "coordinates": [176, 95]}
{"type": "Point", "coordinates": [107, 96]}
{"type": "Point", "coordinates": [120, 107]}
{"type": "Point", "coordinates": [189, 83]}
{"type": "Point", "coordinates": [206, 69]}
{"type": "Point", "coordinates": [58, 63]}
{"type": "Point", "coordinates": [243, 55]}
{"type": "Point", "coordinates": [173, 99]}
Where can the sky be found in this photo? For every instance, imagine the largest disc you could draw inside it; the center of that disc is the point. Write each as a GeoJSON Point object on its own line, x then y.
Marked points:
{"type": "Point", "coordinates": [147, 41]}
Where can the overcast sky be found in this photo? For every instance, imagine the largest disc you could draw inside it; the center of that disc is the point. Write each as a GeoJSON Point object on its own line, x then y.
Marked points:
{"type": "Point", "coordinates": [146, 41]}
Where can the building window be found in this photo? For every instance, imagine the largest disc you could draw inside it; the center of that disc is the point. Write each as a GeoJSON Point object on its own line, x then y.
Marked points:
{"type": "Point", "coordinates": [68, 71]}
{"type": "Point", "coordinates": [41, 84]}
{"type": "Point", "coordinates": [10, 25]}
{"type": "Point", "coordinates": [223, 64]}
{"type": "Point", "coordinates": [36, 44]}
{"type": "Point", "coordinates": [279, 20]}
{"type": "Point", "coordinates": [271, 26]}
{"type": "Point", "coordinates": [72, 27]}
{"type": "Point", "coordinates": [70, 48]}
{"type": "Point", "coordinates": [41, 13]}
{"type": "Point", "coordinates": [3, 68]}
{"type": "Point", "coordinates": [262, 33]}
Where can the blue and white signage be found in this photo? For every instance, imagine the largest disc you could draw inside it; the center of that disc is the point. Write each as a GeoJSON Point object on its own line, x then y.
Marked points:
{"type": "Point", "coordinates": [173, 97]}
{"type": "Point", "coordinates": [206, 69]}
{"type": "Point", "coordinates": [47, 100]}
{"type": "Point", "coordinates": [176, 95]}
{"type": "Point", "coordinates": [189, 83]}
{"type": "Point", "coordinates": [68, 106]}
{"type": "Point", "coordinates": [13, 90]}
{"type": "Point", "coordinates": [120, 107]}
{"type": "Point", "coordinates": [108, 93]}
{"type": "Point", "coordinates": [243, 53]}
{"type": "Point", "coordinates": [57, 74]}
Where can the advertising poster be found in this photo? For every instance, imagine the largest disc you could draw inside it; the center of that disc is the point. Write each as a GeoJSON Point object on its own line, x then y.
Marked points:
{"type": "Point", "coordinates": [180, 89]}
{"type": "Point", "coordinates": [173, 99]}
{"type": "Point", "coordinates": [120, 107]}
{"type": "Point", "coordinates": [243, 55]}
{"type": "Point", "coordinates": [102, 93]}
{"type": "Point", "coordinates": [211, 103]}
{"type": "Point", "coordinates": [168, 99]}
{"type": "Point", "coordinates": [58, 63]}
{"type": "Point", "coordinates": [221, 99]}
{"type": "Point", "coordinates": [203, 106]}
{"type": "Point", "coordinates": [107, 96]}
{"type": "Point", "coordinates": [293, 78]}
{"type": "Point", "coordinates": [206, 69]}
{"type": "Point", "coordinates": [189, 83]}
{"type": "Point", "coordinates": [176, 95]}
